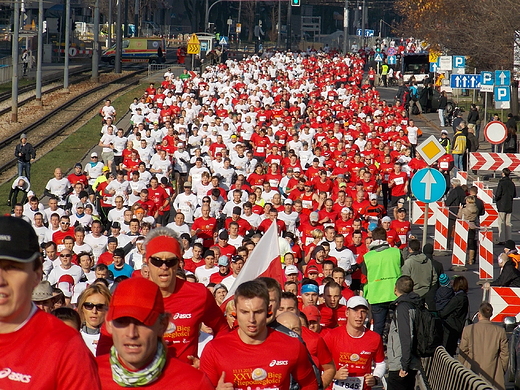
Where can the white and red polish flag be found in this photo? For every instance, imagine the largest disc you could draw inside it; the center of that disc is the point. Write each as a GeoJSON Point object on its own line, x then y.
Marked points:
{"type": "Point", "coordinates": [263, 261]}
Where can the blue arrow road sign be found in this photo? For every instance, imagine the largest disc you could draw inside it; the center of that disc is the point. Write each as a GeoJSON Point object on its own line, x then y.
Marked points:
{"type": "Point", "coordinates": [378, 57]}
{"type": "Point", "coordinates": [502, 94]}
{"type": "Point", "coordinates": [428, 185]}
{"type": "Point", "coordinates": [465, 81]}
{"type": "Point", "coordinates": [392, 60]}
{"type": "Point", "coordinates": [434, 66]}
{"type": "Point", "coordinates": [502, 78]}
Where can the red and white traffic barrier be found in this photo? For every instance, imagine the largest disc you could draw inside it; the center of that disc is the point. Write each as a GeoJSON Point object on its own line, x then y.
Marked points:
{"type": "Point", "coordinates": [505, 302]}
{"type": "Point", "coordinates": [440, 240]}
{"type": "Point", "coordinates": [485, 251]}
{"type": "Point", "coordinates": [490, 218]}
{"type": "Point", "coordinates": [418, 212]}
{"type": "Point", "coordinates": [494, 161]}
{"type": "Point", "coordinates": [460, 243]}
{"type": "Point", "coordinates": [463, 177]}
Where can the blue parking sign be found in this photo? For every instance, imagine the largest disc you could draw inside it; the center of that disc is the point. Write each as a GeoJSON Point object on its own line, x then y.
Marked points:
{"type": "Point", "coordinates": [502, 94]}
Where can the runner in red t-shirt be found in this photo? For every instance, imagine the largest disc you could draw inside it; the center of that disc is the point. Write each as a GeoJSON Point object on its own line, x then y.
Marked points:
{"type": "Point", "coordinates": [402, 227]}
{"type": "Point", "coordinates": [205, 227]}
{"type": "Point", "coordinates": [138, 307]}
{"type": "Point", "coordinates": [189, 304]}
{"type": "Point", "coordinates": [251, 354]}
{"type": "Point", "coordinates": [398, 184]}
{"type": "Point", "coordinates": [332, 312]}
{"type": "Point", "coordinates": [355, 349]}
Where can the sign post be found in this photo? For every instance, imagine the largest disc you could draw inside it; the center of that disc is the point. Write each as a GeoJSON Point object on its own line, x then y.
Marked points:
{"type": "Point", "coordinates": [193, 48]}
{"type": "Point", "coordinates": [428, 184]}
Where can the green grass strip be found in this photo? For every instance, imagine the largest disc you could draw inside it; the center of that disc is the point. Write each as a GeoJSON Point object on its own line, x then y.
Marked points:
{"type": "Point", "coordinates": [70, 151]}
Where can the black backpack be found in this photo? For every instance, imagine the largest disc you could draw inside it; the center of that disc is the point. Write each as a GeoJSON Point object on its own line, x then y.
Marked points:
{"type": "Point", "coordinates": [428, 332]}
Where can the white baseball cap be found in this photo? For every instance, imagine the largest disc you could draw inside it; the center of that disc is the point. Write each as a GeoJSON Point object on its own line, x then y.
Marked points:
{"type": "Point", "coordinates": [356, 301]}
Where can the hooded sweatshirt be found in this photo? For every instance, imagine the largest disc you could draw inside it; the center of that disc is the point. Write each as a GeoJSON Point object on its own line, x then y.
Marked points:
{"type": "Point", "coordinates": [420, 269]}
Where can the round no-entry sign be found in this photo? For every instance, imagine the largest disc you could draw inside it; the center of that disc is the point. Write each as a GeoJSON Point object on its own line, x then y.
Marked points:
{"type": "Point", "coordinates": [495, 132]}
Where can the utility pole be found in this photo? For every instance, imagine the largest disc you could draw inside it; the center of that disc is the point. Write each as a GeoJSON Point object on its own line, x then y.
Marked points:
{"type": "Point", "coordinates": [127, 28]}
{"type": "Point", "coordinates": [345, 27]}
{"type": "Point", "coordinates": [67, 45]}
{"type": "Point", "coordinates": [119, 38]}
{"type": "Point", "coordinates": [136, 17]}
{"type": "Point", "coordinates": [279, 27]}
{"type": "Point", "coordinates": [289, 27]}
{"type": "Point", "coordinates": [110, 22]}
{"type": "Point", "coordinates": [363, 10]}
{"type": "Point", "coordinates": [14, 55]}
{"type": "Point", "coordinates": [95, 46]}
{"type": "Point", "coordinates": [39, 54]}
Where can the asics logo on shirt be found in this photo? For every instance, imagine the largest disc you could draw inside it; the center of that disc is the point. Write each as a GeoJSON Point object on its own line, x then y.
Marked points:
{"type": "Point", "coordinates": [14, 376]}
{"type": "Point", "coordinates": [279, 363]}
{"type": "Point", "coordinates": [181, 316]}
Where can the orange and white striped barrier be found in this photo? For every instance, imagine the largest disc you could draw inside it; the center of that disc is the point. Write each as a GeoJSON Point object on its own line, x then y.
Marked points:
{"type": "Point", "coordinates": [485, 251]}
{"type": "Point", "coordinates": [440, 240]}
{"type": "Point", "coordinates": [460, 243]}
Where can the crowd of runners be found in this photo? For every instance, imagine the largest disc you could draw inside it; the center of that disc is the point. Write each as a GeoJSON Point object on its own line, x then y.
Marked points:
{"type": "Point", "coordinates": [182, 198]}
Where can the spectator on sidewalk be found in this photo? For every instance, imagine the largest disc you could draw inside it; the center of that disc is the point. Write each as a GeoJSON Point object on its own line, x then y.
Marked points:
{"type": "Point", "coordinates": [484, 349]}
{"type": "Point", "coordinates": [504, 195]}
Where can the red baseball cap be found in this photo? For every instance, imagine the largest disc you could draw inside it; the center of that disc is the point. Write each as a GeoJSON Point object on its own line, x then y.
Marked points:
{"type": "Point", "coordinates": [312, 313]}
{"type": "Point", "coordinates": [137, 298]}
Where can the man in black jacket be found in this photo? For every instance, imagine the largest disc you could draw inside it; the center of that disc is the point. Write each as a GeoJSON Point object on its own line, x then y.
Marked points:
{"type": "Point", "coordinates": [455, 198]}
{"type": "Point", "coordinates": [443, 102]}
{"type": "Point", "coordinates": [25, 154]}
{"type": "Point", "coordinates": [504, 195]}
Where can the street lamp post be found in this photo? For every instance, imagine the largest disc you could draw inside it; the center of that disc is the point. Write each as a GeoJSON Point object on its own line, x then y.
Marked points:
{"type": "Point", "coordinates": [39, 54]}
{"type": "Point", "coordinates": [208, 9]}
{"type": "Point", "coordinates": [95, 46]}
{"type": "Point", "coordinates": [67, 44]}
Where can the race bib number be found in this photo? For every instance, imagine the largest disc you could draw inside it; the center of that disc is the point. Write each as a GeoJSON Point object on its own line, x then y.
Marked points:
{"type": "Point", "coordinates": [444, 164]}
{"type": "Point", "coordinates": [309, 240]}
{"type": "Point", "coordinates": [386, 177]}
{"type": "Point", "coordinates": [398, 181]}
{"type": "Point", "coordinates": [260, 149]}
{"type": "Point", "coordinates": [352, 383]}
{"type": "Point", "coordinates": [402, 238]}
{"type": "Point", "coordinates": [197, 177]}
{"type": "Point", "coordinates": [307, 204]}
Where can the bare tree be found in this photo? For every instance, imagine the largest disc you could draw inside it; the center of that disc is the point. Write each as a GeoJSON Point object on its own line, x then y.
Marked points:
{"type": "Point", "coordinates": [482, 30]}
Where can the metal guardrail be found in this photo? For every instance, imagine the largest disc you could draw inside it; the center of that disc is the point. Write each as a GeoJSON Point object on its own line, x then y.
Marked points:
{"type": "Point", "coordinates": [443, 372]}
{"type": "Point", "coordinates": [154, 68]}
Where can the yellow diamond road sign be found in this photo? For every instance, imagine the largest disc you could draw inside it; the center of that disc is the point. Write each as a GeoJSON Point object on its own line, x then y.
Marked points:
{"type": "Point", "coordinates": [194, 40]}
{"type": "Point", "coordinates": [431, 150]}
{"type": "Point", "coordinates": [193, 45]}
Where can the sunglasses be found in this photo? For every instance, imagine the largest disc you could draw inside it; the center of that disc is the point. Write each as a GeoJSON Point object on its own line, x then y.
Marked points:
{"type": "Point", "coordinates": [169, 263]}
{"type": "Point", "coordinates": [91, 306]}
{"type": "Point", "coordinates": [65, 223]}
{"type": "Point", "coordinates": [65, 255]}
